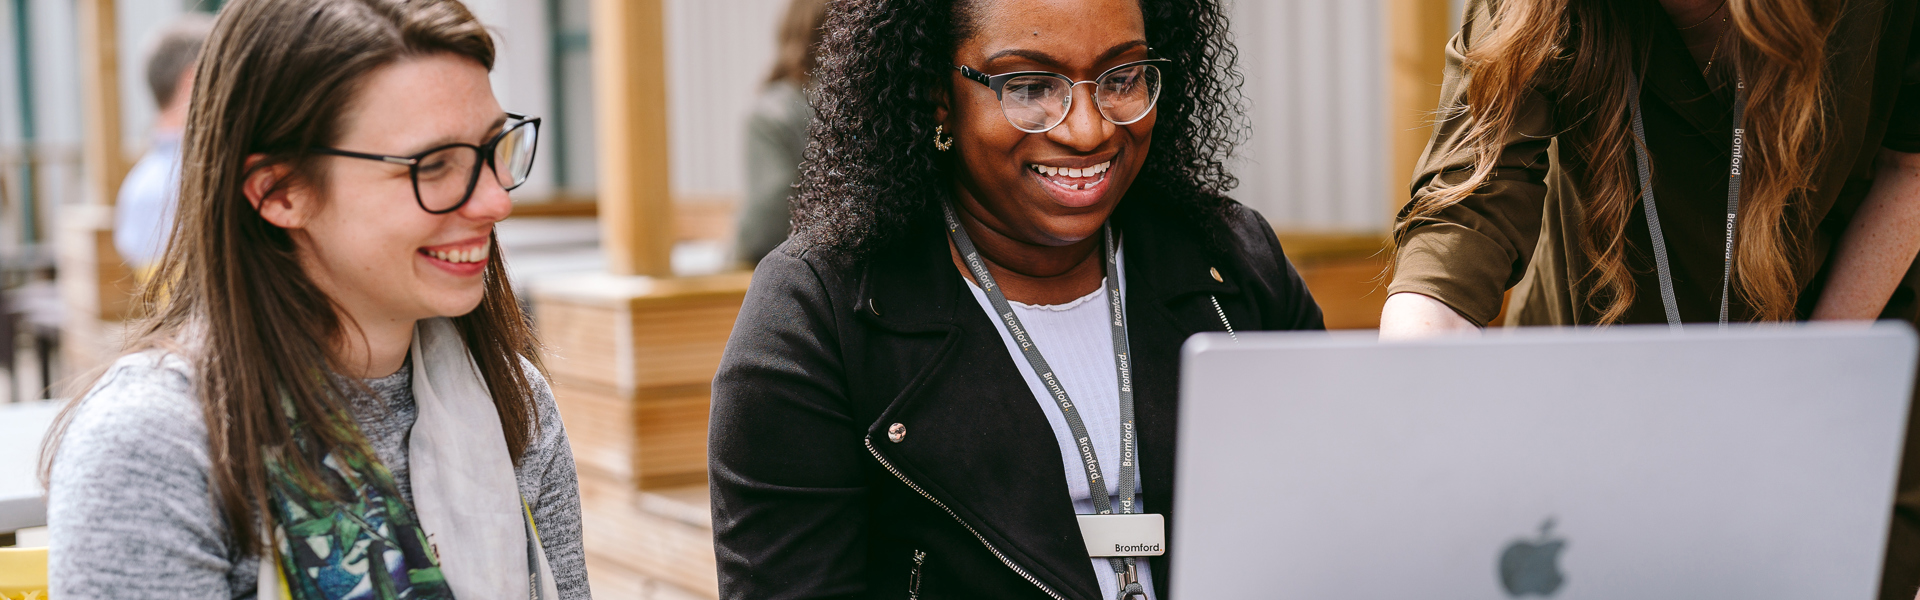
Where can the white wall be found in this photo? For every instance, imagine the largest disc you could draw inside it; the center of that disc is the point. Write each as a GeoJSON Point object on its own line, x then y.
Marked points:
{"type": "Point", "coordinates": [1315, 82]}
{"type": "Point", "coordinates": [718, 53]}
{"type": "Point", "coordinates": [520, 70]}
{"type": "Point", "coordinates": [1315, 73]}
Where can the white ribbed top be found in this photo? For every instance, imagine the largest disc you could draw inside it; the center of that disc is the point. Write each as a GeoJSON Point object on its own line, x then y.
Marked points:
{"type": "Point", "coordinates": [1078, 344]}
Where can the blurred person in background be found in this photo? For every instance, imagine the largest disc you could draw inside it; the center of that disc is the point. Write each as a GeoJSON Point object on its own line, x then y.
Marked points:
{"type": "Point", "coordinates": [335, 394]}
{"type": "Point", "coordinates": [1643, 161]}
{"type": "Point", "coordinates": [1011, 216]}
{"type": "Point", "coordinates": [143, 213]}
{"type": "Point", "coordinates": [777, 134]}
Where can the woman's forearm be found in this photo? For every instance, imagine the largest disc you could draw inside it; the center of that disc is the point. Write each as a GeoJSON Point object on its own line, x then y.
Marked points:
{"type": "Point", "coordinates": [1879, 244]}
{"type": "Point", "coordinates": [1411, 316]}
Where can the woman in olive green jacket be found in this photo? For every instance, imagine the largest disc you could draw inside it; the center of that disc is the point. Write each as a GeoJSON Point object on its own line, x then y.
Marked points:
{"type": "Point", "coordinates": [1535, 188]}
{"type": "Point", "coordinates": [1572, 130]}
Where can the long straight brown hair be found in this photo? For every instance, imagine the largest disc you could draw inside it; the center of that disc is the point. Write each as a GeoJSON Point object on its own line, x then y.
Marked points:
{"type": "Point", "coordinates": [1583, 49]}
{"type": "Point", "coordinates": [229, 294]}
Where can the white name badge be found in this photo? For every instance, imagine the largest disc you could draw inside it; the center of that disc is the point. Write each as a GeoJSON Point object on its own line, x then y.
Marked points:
{"type": "Point", "coordinates": [1124, 535]}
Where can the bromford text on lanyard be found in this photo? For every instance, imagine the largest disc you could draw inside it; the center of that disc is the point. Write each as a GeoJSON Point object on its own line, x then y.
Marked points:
{"type": "Point", "coordinates": [1122, 560]}
{"type": "Point", "coordinates": [1653, 215]}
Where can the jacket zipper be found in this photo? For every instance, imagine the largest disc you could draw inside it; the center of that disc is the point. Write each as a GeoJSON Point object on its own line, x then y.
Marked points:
{"type": "Point", "coordinates": [1223, 319]}
{"type": "Point", "coordinates": [913, 588]}
{"type": "Point", "coordinates": [956, 518]}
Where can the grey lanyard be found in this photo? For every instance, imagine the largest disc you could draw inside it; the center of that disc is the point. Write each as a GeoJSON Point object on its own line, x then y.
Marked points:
{"type": "Point", "coordinates": [1653, 215]}
{"type": "Point", "coordinates": [1096, 486]}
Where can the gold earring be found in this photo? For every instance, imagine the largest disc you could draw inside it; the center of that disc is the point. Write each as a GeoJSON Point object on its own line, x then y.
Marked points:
{"type": "Point", "coordinates": [940, 145]}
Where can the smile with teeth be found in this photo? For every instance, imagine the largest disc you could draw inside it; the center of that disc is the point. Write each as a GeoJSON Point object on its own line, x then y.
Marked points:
{"type": "Point", "coordinates": [1069, 177]}
{"type": "Point", "coordinates": [460, 255]}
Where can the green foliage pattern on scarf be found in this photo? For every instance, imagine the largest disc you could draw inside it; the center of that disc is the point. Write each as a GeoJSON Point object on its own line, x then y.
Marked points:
{"type": "Point", "coordinates": [363, 543]}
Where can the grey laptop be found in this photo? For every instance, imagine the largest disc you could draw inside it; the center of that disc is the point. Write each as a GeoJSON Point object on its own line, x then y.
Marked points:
{"type": "Point", "coordinates": [1573, 464]}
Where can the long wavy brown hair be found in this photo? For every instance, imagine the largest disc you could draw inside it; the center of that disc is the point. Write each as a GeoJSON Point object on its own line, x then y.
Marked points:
{"type": "Point", "coordinates": [229, 295]}
{"type": "Point", "coordinates": [1581, 48]}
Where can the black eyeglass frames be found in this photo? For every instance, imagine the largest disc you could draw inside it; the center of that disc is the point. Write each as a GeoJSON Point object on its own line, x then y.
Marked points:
{"type": "Point", "coordinates": [444, 177]}
{"type": "Point", "coordinates": [1038, 101]}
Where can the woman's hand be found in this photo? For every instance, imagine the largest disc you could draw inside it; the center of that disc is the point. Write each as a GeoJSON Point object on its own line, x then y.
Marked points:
{"type": "Point", "coordinates": [1879, 244]}
{"type": "Point", "coordinates": [1409, 316]}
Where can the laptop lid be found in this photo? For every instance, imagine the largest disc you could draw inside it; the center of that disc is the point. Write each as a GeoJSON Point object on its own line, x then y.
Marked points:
{"type": "Point", "coordinates": [1753, 463]}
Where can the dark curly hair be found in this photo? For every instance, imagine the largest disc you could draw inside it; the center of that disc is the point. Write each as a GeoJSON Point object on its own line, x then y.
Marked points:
{"type": "Point", "coordinates": [871, 172]}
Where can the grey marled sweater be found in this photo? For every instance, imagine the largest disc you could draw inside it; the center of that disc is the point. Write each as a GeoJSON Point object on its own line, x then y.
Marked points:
{"type": "Point", "coordinates": [131, 515]}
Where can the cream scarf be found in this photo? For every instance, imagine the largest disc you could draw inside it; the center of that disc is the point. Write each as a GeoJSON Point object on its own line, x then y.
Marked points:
{"type": "Point", "coordinates": [464, 491]}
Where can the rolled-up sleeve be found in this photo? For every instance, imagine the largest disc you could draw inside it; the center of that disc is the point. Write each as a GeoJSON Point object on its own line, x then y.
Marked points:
{"type": "Point", "coordinates": [1469, 253]}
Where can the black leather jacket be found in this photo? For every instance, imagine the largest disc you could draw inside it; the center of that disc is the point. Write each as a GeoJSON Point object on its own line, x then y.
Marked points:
{"type": "Point", "coordinates": [811, 499]}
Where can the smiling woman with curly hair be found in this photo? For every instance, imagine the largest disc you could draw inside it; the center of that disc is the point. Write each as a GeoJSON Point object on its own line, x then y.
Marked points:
{"type": "Point", "coordinates": [1011, 216]}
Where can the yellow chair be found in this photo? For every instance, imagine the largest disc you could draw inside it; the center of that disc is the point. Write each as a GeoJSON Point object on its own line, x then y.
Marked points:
{"type": "Point", "coordinates": [23, 573]}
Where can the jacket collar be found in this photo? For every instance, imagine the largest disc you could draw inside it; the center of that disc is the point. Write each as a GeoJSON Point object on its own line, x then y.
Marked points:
{"type": "Point", "coordinates": [911, 286]}
{"type": "Point", "coordinates": [1167, 266]}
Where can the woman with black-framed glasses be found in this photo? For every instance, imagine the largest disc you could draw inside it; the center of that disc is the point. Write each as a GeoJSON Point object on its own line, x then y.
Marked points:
{"type": "Point", "coordinates": [334, 393]}
{"type": "Point", "coordinates": [444, 176]}
{"type": "Point", "coordinates": [1010, 218]}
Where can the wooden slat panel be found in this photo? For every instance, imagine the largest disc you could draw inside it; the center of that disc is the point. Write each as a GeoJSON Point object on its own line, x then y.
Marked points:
{"type": "Point", "coordinates": [706, 217]}
{"type": "Point", "coordinates": [598, 422]}
{"type": "Point", "coordinates": [615, 580]}
{"type": "Point", "coordinates": [671, 440]}
{"type": "Point", "coordinates": [653, 443]}
{"type": "Point", "coordinates": [695, 216]}
{"type": "Point", "coordinates": [582, 341]}
{"type": "Point", "coordinates": [635, 359]}
{"type": "Point", "coordinates": [619, 290]}
{"type": "Point", "coordinates": [681, 344]}
{"type": "Point", "coordinates": [619, 532]}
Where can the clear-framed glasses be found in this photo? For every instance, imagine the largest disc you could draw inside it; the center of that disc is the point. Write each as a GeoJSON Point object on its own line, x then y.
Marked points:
{"type": "Point", "coordinates": [1038, 101]}
{"type": "Point", "coordinates": [444, 177]}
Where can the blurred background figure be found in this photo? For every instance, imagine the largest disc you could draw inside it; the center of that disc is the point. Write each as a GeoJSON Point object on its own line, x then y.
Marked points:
{"type": "Point", "coordinates": [777, 135]}
{"type": "Point", "coordinates": [143, 215]}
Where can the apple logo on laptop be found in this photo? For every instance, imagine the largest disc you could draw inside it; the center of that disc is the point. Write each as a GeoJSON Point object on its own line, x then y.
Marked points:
{"type": "Point", "coordinates": [1532, 567]}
